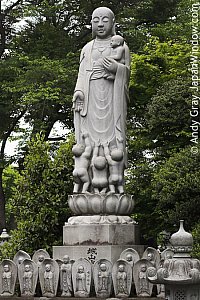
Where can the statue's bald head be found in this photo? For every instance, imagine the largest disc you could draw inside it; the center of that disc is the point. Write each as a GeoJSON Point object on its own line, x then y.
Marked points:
{"type": "Point", "coordinates": [103, 22]}
{"type": "Point", "coordinates": [104, 11]}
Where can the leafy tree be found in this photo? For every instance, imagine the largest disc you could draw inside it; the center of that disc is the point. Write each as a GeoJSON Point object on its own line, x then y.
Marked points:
{"type": "Point", "coordinates": [40, 201]}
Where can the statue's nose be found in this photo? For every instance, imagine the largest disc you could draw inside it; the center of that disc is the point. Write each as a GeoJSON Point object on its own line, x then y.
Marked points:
{"type": "Point", "coordinates": [100, 24]}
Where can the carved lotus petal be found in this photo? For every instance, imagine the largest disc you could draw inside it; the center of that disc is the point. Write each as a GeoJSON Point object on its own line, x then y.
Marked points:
{"type": "Point", "coordinates": [111, 202]}
{"type": "Point", "coordinates": [96, 204]}
{"type": "Point", "coordinates": [81, 204]}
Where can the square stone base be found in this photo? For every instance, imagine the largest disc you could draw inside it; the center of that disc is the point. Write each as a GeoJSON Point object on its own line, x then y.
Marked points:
{"type": "Point", "coordinates": [94, 252]}
{"type": "Point", "coordinates": [101, 234]}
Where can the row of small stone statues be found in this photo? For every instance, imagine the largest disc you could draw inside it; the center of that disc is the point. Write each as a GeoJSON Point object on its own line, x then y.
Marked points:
{"type": "Point", "coordinates": [69, 278]}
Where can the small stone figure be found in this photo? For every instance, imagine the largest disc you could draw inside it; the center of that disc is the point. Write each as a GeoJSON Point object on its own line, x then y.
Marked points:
{"type": "Point", "coordinates": [99, 170]}
{"type": "Point", "coordinates": [28, 275]}
{"type": "Point", "coordinates": [6, 279]}
{"type": "Point", "coordinates": [81, 276]}
{"type": "Point", "coordinates": [115, 159]}
{"type": "Point", "coordinates": [48, 280]}
{"type": "Point", "coordinates": [20, 256]}
{"type": "Point", "coordinates": [122, 278]}
{"type": "Point", "coordinates": [66, 277]}
{"type": "Point", "coordinates": [130, 255]}
{"type": "Point", "coordinates": [81, 280]}
{"type": "Point", "coordinates": [49, 275]}
{"type": "Point", "coordinates": [143, 286]}
{"type": "Point", "coordinates": [118, 52]}
{"type": "Point", "coordinates": [81, 157]}
{"type": "Point", "coordinates": [8, 275]}
{"type": "Point", "coordinates": [152, 255]}
{"type": "Point", "coordinates": [39, 256]}
{"type": "Point", "coordinates": [102, 273]}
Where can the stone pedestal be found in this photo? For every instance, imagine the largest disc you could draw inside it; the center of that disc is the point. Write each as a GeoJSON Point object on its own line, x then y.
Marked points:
{"type": "Point", "coordinates": [97, 241]}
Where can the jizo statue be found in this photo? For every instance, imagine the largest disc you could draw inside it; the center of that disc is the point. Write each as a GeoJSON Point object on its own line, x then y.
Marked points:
{"type": "Point", "coordinates": [100, 106]}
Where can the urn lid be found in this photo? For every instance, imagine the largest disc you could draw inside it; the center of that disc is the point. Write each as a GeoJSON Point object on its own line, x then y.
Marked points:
{"type": "Point", "coordinates": [182, 241]}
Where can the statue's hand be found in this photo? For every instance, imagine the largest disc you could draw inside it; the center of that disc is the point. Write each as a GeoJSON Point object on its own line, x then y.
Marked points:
{"type": "Point", "coordinates": [110, 65]}
{"type": "Point", "coordinates": [78, 99]}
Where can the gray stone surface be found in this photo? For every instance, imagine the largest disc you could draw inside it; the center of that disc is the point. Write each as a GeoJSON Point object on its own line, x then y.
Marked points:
{"type": "Point", "coordinates": [81, 277]}
{"type": "Point", "coordinates": [180, 274]}
{"type": "Point", "coordinates": [8, 277]}
{"type": "Point", "coordinates": [143, 286]}
{"type": "Point", "coordinates": [122, 278]}
{"type": "Point", "coordinates": [97, 204]}
{"type": "Point", "coordinates": [66, 277]}
{"type": "Point", "coordinates": [102, 276]}
{"type": "Point", "coordinates": [94, 252]}
{"type": "Point", "coordinates": [49, 276]}
{"type": "Point", "coordinates": [27, 275]}
{"type": "Point", "coordinates": [152, 255]}
{"type": "Point", "coordinates": [101, 234]}
{"type": "Point", "coordinates": [39, 256]}
{"type": "Point", "coordinates": [100, 105]}
{"type": "Point", "coordinates": [20, 256]}
{"type": "Point", "coordinates": [130, 255]}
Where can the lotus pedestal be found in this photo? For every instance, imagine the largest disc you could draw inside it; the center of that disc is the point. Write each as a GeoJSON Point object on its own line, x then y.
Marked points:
{"type": "Point", "coordinates": [101, 228]}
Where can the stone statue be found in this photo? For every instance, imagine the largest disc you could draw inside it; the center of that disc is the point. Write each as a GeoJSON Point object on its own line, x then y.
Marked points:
{"type": "Point", "coordinates": [122, 278]}
{"type": "Point", "coordinates": [152, 255]}
{"type": "Point", "coordinates": [39, 256]}
{"type": "Point", "coordinates": [28, 275]}
{"type": "Point", "coordinates": [20, 256]}
{"type": "Point", "coordinates": [143, 286]}
{"type": "Point", "coordinates": [8, 276]}
{"type": "Point", "coordinates": [81, 277]}
{"type": "Point", "coordinates": [99, 171]}
{"type": "Point", "coordinates": [130, 255]}
{"type": "Point", "coordinates": [49, 275]}
{"type": "Point", "coordinates": [100, 105]}
{"type": "Point", "coordinates": [82, 155]}
{"type": "Point", "coordinates": [66, 277]}
{"type": "Point", "coordinates": [102, 273]}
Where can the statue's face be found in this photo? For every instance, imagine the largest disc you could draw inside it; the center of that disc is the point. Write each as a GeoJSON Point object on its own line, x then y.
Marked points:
{"type": "Point", "coordinates": [6, 268]}
{"type": "Point", "coordinates": [80, 269]}
{"type": "Point", "coordinates": [121, 268]}
{"type": "Point", "coordinates": [102, 22]}
{"type": "Point", "coordinates": [150, 256]}
{"type": "Point", "coordinates": [103, 267]}
{"type": "Point", "coordinates": [27, 268]}
{"type": "Point", "coordinates": [48, 268]}
{"type": "Point", "coordinates": [66, 259]}
{"type": "Point", "coordinates": [41, 258]}
{"type": "Point", "coordinates": [129, 257]}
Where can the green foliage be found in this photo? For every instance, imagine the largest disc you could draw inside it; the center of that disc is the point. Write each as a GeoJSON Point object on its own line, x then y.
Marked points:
{"type": "Point", "coordinates": [176, 190]}
{"type": "Point", "coordinates": [196, 237]}
{"type": "Point", "coordinates": [40, 201]}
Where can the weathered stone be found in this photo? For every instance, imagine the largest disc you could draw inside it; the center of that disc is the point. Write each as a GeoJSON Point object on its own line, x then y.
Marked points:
{"type": "Point", "coordinates": [152, 255]}
{"type": "Point", "coordinates": [39, 256]}
{"type": "Point", "coordinates": [28, 275]}
{"type": "Point", "coordinates": [130, 255]}
{"type": "Point", "coordinates": [180, 274]}
{"type": "Point", "coordinates": [20, 256]}
{"type": "Point", "coordinates": [101, 234]}
{"type": "Point", "coordinates": [143, 286]}
{"type": "Point", "coordinates": [97, 204]}
{"type": "Point", "coordinates": [102, 275]}
{"type": "Point", "coordinates": [49, 275]}
{"type": "Point", "coordinates": [8, 277]}
{"type": "Point", "coordinates": [81, 277]}
{"type": "Point", "coordinates": [66, 277]}
{"type": "Point", "coordinates": [122, 278]}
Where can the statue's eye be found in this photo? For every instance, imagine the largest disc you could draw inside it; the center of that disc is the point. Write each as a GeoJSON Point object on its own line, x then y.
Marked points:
{"type": "Point", "coordinates": [105, 20]}
{"type": "Point", "coordinates": [96, 20]}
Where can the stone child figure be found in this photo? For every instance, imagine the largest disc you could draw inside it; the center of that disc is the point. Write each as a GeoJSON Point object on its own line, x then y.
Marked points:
{"type": "Point", "coordinates": [100, 104]}
{"type": "Point", "coordinates": [99, 171]}
{"type": "Point", "coordinates": [103, 278]}
{"type": "Point", "coordinates": [81, 280]}
{"type": "Point", "coordinates": [121, 280]}
{"type": "Point", "coordinates": [81, 156]}
{"type": "Point", "coordinates": [118, 51]}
